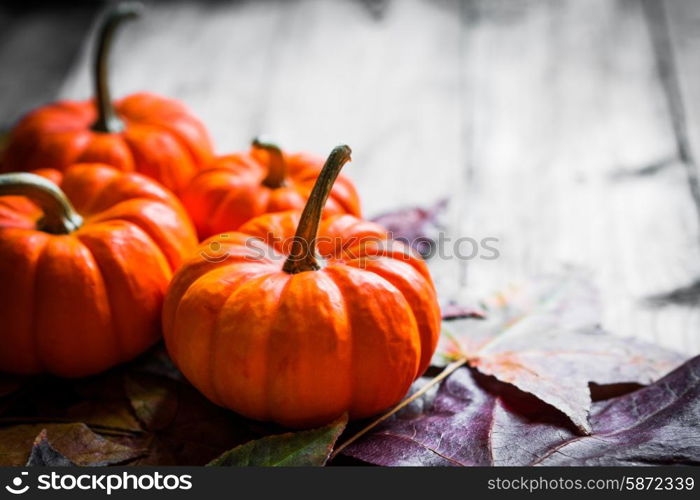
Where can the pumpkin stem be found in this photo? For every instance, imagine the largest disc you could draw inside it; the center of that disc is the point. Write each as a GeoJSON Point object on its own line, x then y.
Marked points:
{"type": "Point", "coordinates": [59, 215]}
{"type": "Point", "coordinates": [303, 254]}
{"type": "Point", "coordinates": [277, 168]}
{"type": "Point", "coordinates": [107, 119]}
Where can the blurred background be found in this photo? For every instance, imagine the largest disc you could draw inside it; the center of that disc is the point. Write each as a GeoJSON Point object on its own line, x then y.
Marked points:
{"type": "Point", "coordinates": [566, 129]}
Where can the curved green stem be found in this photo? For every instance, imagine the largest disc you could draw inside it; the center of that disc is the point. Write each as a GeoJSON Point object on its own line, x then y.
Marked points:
{"type": "Point", "coordinates": [59, 215]}
{"type": "Point", "coordinates": [107, 119]}
{"type": "Point", "coordinates": [277, 169]}
{"type": "Point", "coordinates": [303, 253]}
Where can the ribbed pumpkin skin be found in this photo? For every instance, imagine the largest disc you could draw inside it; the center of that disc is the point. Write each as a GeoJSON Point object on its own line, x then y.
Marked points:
{"type": "Point", "coordinates": [301, 349]}
{"type": "Point", "coordinates": [230, 192]}
{"type": "Point", "coordinates": [162, 139]}
{"type": "Point", "coordinates": [77, 304]}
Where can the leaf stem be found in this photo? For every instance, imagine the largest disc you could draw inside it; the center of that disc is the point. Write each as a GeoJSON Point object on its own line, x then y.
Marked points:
{"type": "Point", "coordinates": [446, 372]}
{"type": "Point", "coordinates": [102, 429]}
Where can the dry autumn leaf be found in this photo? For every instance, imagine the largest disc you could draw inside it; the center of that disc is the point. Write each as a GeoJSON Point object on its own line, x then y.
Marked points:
{"type": "Point", "coordinates": [64, 444]}
{"type": "Point", "coordinates": [545, 339]}
{"type": "Point", "coordinates": [542, 338]}
{"type": "Point", "coordinates": [474, 420]}
{"type": "Point", "coordinates": [416, 226]}
{"type": "Point", "coordinates": [309, 448]}
{"type": "Point", "coordinates": [145, 407]}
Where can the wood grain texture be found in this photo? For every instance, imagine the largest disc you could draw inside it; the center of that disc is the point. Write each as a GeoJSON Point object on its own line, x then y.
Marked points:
{"type": "Point", "coordinates": [682, 21]}
{"type": "Point", "coordinates": [311, 75]}
{"type": "Point", "coordinates": [214, 56]}
{"type": "Point", "coordinates": [566, 107]}
{"type": "Point", "coordinates": [37, 47]}
{"type": "Point", "coordinates": [545, 122]}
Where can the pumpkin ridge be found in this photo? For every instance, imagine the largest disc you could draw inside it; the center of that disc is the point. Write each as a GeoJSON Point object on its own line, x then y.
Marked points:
{"type": "Point", "coordinates": [182, 282]}
{"type": "Point", "coordinates": [249, 286]}
{"type": "Point", "coordinates": [91, 151]}
{"type": "Point", "coordinates": [217, 273]}
{"type": "Point", "coordinates": [223, 205]}
{"type": "Point", "coordinates": [137, 199]}
{"type": "Point", "coordinates": [160, 255]}
{"type": "Point", "coordinates": [191, 195]}
{"type": "Point", "coordinates": [79, 141]}
{"type": "Point", "coordinates": [177, 114]}
{"type": "Point", "coordinates": [343, 192]}
{"type": "Point", "coordinates": [312, 352]}
{"type": "Point", "coordinates": [169, 322]}
{"type": "Point", "coordinates": [343, 273]}
{"type": "Point", "coordinates": [141, 137]}
{"type": "Point", "coordinates": [351, 334]}
{"type": "Point", "coordinates": [14, 208]}
{"type": "Point", "coordinates": [84, 266]}
{"type": "Point", "coordinates": [215, 333]}
{"type": "Point", "coordinates": [177, 137]}
{"type": "Point", "coordinates": [32, 322]}
{"type": "Point", "coordinates": [291, 199]}
{"type": "Point", "coordinates": [117, 333]}
{"type": "Point", "coordinates": [427, 332]}
{"type": "Point", "coordinates": [120, 261]}
{"type": "Point", "coordinates": [417, 263]}
{"type": "Point", "coordinates": [85, 207]}
{"type": "Point", "coordinates": [16, 219]}
{"type": "Point", "coordinates": [166, 242]}
{"type": "Point", "coordinates": [130, 154]}
{"type": "Point", "coordinates": [342, 200]}
{"type": "Point", "coordinates": [136, 138]}
{"type": "Point", "coordinates": [391, 284]}
{"type": "Point", "coordinates": [269, 376]}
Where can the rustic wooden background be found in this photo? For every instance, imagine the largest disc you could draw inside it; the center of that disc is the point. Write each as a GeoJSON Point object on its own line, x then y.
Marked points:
{"type": "Point", "coordinates": [565, 128]}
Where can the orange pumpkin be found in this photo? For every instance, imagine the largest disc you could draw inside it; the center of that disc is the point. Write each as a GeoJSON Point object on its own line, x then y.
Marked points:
{"type": "Point", "coordinates": [261, 325]}
{"type": "Point", "coordinates": [238, 187]}
{"type": "Point", "coordinates": [144, 132]}
{"type": "Point", "coordinates": [84, 267]}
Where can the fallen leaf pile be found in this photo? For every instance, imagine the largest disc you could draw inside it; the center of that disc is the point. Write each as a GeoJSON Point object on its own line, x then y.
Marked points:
{"type": "Point", "coordinates": [475, 420]}
{"type": "Point", "coordinates": [415, 226]}
{"type": "Point", "coordinates": [545, 339]}
{"type": "Point", "coordinates": [303, 448]}
{"type": "Point", "coordinates": [141, 414]}
{"type": "Point", "coordinates": [144, 413]}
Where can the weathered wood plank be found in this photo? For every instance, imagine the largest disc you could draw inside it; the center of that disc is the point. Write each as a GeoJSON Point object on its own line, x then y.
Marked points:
{"type": "Point", "coordinates": [214, 56]}
{"type": "Point", "coordinates": [37, 47]}
{"type": "Point", "coordinates": [312, 75]}
{"type": "Point", "coordinates": [681, 20]}
{"type": "Point", "coordinates": [530, 115]}
{"type": "Point", "coordinates": [387, 86]}
{"type": "Point", "coordinates": [565, 97]}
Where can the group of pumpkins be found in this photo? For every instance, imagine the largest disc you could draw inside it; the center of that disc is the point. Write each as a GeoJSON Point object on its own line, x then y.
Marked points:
{"type": "Point", "coordinates": [99, 255]}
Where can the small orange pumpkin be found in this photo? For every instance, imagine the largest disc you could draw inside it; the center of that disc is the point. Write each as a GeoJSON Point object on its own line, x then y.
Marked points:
{"type": "Point", "coordinates": [155, 136]}
{"type": "Point", "coordinates": [238, 187]}
{"type": "Point", "coordinates": [262, 326]}
{"type": "Point", "coordinates": [84, 267]}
